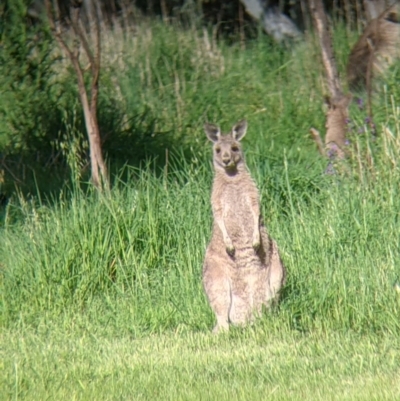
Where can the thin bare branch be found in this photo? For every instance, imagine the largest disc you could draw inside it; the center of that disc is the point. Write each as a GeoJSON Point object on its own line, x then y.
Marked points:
{"type": "Point", "coordinates": [55, 27]}
{"type": "Point", "coordinates": [57, 12]}
{"type": "Point", "coordinates": [369, 76]}
{"type": "Point", "coordinates": [96, 65]}
{"type": "Point", "coordinates": [72, 54]}
{"type": "Point", "coordinates": [14, 177]}
{"type": "Point", "coordinates": [325, 38]}
{"type": "Point", "coordinates": [97, 36]}
{"type": "Point", "coordinates": [94, 59]}
{"type": "Point", "coordinates": [79, 32]}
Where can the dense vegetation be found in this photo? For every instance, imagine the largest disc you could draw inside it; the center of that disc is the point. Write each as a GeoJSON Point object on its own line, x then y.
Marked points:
{"type": "Point", "coordinates": [101, 295]}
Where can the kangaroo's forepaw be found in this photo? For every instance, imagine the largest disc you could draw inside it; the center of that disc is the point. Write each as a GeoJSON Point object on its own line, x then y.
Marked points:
{"type": "Point", "coordinates": [256, 242]}
{"type": "Point", "coordinates": [230, 249]}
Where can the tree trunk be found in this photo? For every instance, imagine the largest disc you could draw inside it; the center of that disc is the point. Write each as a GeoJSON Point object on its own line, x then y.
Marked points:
{"type": "Point", "coordinates": [337, 114]}
{"type": "Point", "coordinates": [325, 40]}
{"type": "Point", "coordinates": [99, 171]}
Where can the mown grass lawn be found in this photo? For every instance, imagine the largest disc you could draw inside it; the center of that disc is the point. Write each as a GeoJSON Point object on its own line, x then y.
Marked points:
{"type": "Point", "coordinates": [251, 364]}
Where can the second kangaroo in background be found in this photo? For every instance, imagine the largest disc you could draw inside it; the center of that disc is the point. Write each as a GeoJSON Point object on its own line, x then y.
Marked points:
{"type": "Point", "coordinates": [242, 268]}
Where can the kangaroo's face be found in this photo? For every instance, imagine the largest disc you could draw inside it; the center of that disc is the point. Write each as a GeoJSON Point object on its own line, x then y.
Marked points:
{"type": "Point", "coordinates": [227, 149]}
{"type": "Point", "coordinates": [227, 152]}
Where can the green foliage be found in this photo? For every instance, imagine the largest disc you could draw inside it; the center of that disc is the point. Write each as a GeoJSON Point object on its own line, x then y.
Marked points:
{"type": "Point", "coordinates": [39, 105]}
{"type": "Point", "coordinates": [29, 108]}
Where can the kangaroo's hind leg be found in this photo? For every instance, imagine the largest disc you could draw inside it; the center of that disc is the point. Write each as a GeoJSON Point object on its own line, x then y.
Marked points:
{"type": "Point", "coordinates": [217, 286]}
{"type": "Point", "coordinates": [243, 298]}
{"type": "Point", "coordinates": [277, 276]}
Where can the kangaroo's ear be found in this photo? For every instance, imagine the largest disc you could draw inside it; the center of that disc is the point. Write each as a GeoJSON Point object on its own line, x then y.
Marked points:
{"type": "Point", "coordinates": [212, 131]}
{"type": "Point", "coordinates": [239, 130]}
{"type": "Point", "coordinates": [393, 13]}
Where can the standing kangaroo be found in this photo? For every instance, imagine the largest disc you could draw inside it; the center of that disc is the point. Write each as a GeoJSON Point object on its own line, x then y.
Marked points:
{"type": "Point", "coordinates": [376, 49]}
{"type": "Point", "coordinates": [242, 269]}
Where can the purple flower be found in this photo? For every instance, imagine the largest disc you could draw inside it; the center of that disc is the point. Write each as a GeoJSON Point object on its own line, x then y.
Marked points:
{"type": "Point", "coordinates": [347, 142]}
{"type": "Point", "coordinates": [349, 124]}
{"type": "Point", "coordinates": [332, 151]}
{"type": "Point", "coordinates": [360, 103]}
{"type": "Point", "coordinates": [330, 170]}
{"type": "Point", "coordinates": [367, 120]}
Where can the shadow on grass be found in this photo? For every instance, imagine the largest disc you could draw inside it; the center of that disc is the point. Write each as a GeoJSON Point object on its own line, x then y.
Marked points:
{"type": "Point", "coordinates": [134, 142]}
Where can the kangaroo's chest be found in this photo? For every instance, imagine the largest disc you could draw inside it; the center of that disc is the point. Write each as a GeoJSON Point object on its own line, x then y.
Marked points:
{"type": "Point", "coordinates": [236, 209]}
{"type": "Point", "coordinates": [234, 201]}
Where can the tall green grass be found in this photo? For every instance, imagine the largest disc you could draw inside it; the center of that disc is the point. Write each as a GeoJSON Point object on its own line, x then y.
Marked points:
{"type": "Point", "coordinates": [143, 247]}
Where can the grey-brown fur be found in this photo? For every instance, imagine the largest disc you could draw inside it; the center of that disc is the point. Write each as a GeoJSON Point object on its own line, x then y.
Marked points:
{"type": "Point", "coordinates": [376, 49]}
{"type": "Point", "coordinates": [336, 127]}
{"type": "Point", "coordinates": [242, 268]}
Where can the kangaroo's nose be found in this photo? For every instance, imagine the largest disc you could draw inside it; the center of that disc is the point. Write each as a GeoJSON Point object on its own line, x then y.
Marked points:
{"type": "Point", "coordinates": [226, 158]}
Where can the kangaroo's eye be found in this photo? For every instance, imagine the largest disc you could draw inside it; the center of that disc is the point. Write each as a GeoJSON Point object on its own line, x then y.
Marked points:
{"type": "Point", "coordinates": [234, 148]}
{"type": "Point", "coordinates": [218, 150]}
